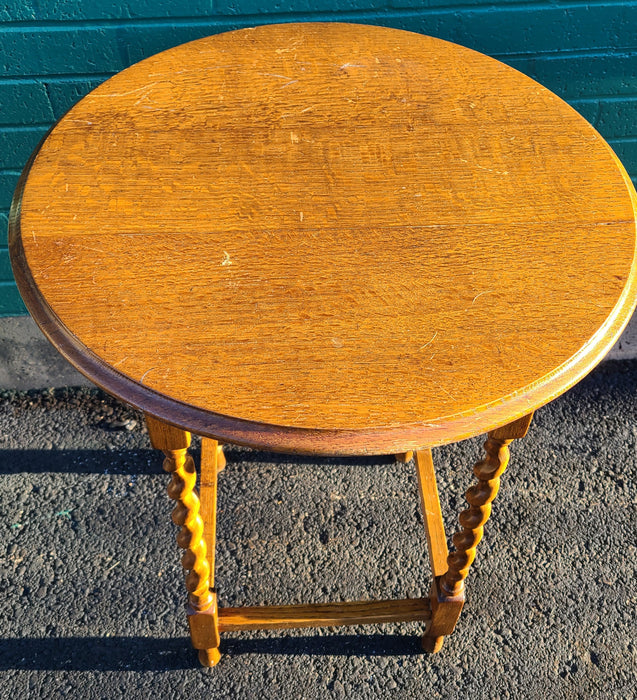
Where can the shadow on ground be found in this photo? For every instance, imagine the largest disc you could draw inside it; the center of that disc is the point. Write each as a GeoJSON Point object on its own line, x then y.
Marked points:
{"type": "Point", "coordinates": [149, 654]}
{"type": "Point", "coordinates": [149, 461]}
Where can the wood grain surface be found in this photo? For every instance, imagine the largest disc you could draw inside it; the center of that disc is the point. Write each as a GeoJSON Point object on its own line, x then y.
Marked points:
{"type": "Point", "coordinates": [324, 614]}
{"type": "Point", "coordinates": [327, 238]}
{"type": "Point", "coordinates": [431, 513]}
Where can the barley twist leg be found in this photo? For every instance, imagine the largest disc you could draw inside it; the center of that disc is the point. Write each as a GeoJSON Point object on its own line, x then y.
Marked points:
{"type": "Point", "coordinates": [181, 466]}
{"type": "Point", "coordinates": [447, 593]}
{"type": "Point", "coordinates": [479, 497]}
{"type": "Point", "coordinates": [202, 601]}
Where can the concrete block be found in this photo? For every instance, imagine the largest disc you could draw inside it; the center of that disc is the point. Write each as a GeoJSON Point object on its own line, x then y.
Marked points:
{"type": "Point", "coordinates": [11, 303]}
{"type": "Point", "coordinates": [54, 10]}
{"type": "Point", "coordinates": [66, 92]}
{"type": "Point", "coordinates": [24, 103]}
{"type": "Point", "coordinates": [8, 181]}
{"type": "Point", "coordinates": [5, 266]}
{"type": "Point", "coordinates": [4, 224]}
{"type": "Point", "coordinates": [17, 145]}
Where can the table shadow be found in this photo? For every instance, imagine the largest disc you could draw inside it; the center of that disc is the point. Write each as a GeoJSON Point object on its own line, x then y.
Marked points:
{"type": "Point", "coordinates": [149, 461]}
{"type": "Point", "coordinates": [157, 654]}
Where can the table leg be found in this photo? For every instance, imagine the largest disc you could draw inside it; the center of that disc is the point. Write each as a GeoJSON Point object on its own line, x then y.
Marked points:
{"type": "Point", "coordinates": [205, 629]}
{"type": "Point", "coordinates": [432, 515]}
{"type": "Point", "coordinates": [174, 443]}
{"type": "Point", "coordinates": [447, 593]}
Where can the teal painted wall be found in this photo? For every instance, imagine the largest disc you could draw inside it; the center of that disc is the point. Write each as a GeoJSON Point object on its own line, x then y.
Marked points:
{"type": "Point", "coordinates": [52, 52]}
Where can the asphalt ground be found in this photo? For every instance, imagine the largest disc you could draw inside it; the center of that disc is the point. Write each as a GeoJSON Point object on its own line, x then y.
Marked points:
{"type": "Point", "coordinates": [92, 589]}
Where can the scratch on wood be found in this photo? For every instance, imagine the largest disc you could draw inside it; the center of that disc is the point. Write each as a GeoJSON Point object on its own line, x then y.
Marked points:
{"type": "Point", "coordinates": [482, 167]}
{"type": "Point", "coordinates": [119, 362]}
{"type": "Point", "coordinates": [449, 394]}
{"type": "Point", "coordinates": [283, 77]}
{"type": "Point", "coordinates": [429, 342]}
{"type": "Point", "coordinates": [141, 381]}
{"type": "Point", "coordinates": [226, 258]}
{"type": "Point", "coordinates": [477, 296]}
{"type": "Point", "coordinates": [291, 48]}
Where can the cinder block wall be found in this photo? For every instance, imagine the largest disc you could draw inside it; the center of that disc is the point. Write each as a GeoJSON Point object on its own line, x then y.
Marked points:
{"type": "Point", "coordinates": [52, 52]}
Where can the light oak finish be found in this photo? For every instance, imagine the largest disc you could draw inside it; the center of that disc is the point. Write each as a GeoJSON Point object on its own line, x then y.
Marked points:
{"type": "Point", "coordinates": [198, 528]}
{"type": "Point", "coordinates": [327, 238]}
{"type": "Point", "coordinates": [165, 437]}
{"type": "Point", "coordinates": [323, 614]}
{"type": "Point", "coordinates": [211, 459]}
{"type": "Point", "coordinates": [514, 430]}
{"type": "Point", "coordinates": [206, 638]}
{"type": "Point", "coordinates": [430, 503]}
{"type": "Point", "coordinates": [204, 632]}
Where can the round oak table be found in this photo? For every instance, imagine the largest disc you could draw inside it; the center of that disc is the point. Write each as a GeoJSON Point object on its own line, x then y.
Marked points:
{"type": "Point", "coordinates": [330, 239]}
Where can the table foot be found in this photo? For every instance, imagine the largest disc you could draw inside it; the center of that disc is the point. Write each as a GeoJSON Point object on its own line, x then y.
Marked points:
{"type": "Point", "coordinates": [432, 644]}
{"type": "Point", "coordinates": [209, 657]}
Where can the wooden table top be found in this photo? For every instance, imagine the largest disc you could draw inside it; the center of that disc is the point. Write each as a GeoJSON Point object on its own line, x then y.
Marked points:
{"type": "Point", "coordinates": [327, 238]}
